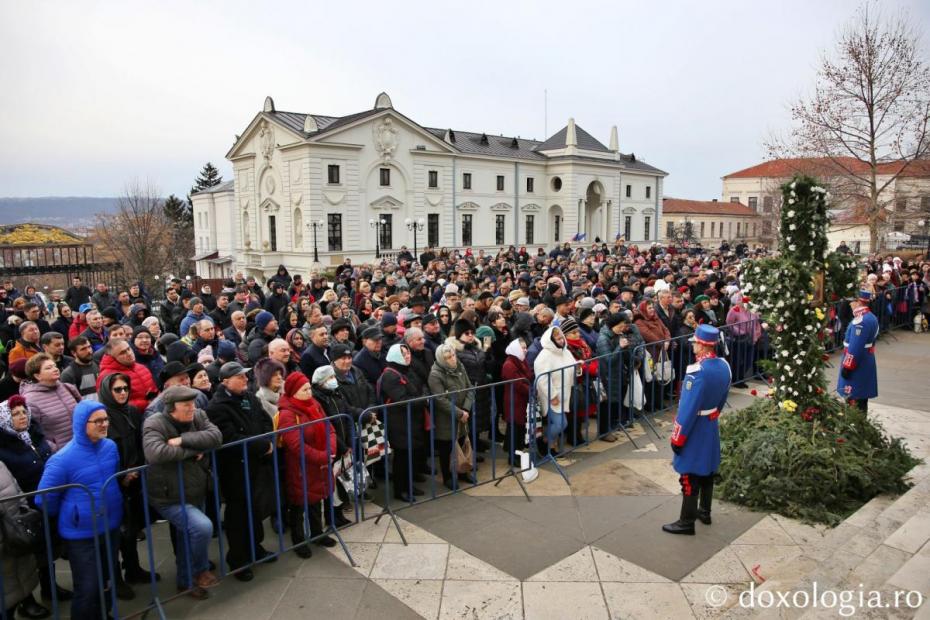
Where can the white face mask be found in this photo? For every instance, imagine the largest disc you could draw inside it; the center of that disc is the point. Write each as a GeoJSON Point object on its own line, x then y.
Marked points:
{"type": "Point", "coordinates": [331, 383]}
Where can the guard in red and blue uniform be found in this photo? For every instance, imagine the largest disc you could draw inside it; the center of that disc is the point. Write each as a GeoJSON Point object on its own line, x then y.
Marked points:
{"type": "Point", "coordinates": [696, 438]}
{"type": "Point", "coordinates": [858, 380]}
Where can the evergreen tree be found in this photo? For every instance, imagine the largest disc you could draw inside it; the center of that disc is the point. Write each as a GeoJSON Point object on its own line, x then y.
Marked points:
{"type": "Point", "coordinates": [209, 177]}
{"type": "Point", "coordinates": [178, 211]}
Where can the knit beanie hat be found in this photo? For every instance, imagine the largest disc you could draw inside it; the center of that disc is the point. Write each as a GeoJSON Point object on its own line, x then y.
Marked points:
{"type": "Point", "coordinates": [461, 326]}
{"type": "Point", "coordinates": [294, 382]}
{"type": "Point", "coordinates": [262, 319]}
{"type": "Point", "coordinates": [568, 325]}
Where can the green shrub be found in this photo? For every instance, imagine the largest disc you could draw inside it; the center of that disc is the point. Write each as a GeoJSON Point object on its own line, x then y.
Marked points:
{"type": "Point", "coordinates": [814, 466]}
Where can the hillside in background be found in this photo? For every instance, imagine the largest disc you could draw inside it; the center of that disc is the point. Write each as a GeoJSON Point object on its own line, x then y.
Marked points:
{"type": "Point", "coordinates": [65, 211]}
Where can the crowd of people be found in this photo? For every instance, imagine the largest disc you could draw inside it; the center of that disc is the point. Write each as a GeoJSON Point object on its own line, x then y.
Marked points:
{"type": "Point", "coordinates": [447, 345]}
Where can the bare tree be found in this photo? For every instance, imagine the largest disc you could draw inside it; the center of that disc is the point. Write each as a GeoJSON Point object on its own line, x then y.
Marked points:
{"type": "Point", "coordinates": [138, 233]}
{"type": "Point", "coordinates": [868, 116]}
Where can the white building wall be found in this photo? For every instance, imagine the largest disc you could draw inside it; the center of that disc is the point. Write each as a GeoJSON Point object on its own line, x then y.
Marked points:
{"type": "Point", "coordinates": [300, 171]}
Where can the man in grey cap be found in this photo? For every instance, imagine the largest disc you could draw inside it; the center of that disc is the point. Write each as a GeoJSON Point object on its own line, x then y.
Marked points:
{"type": "Point", "coordinates": [370, 360]}
{"type": "Point", "coordinates": [239, 415]}
{"type": "Point", "coordinates": [176, 439]}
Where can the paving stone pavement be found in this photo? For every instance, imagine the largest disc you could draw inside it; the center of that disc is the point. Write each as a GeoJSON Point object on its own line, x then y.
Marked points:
{"type": "Point", "coordinates": [593, 548]}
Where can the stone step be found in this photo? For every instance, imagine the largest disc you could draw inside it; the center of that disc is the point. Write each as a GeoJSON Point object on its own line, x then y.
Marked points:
{"type": "Point", "coordinates": [884, 546]}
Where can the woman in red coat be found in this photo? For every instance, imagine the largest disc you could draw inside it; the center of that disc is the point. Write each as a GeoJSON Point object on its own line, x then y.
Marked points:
{"type": "Point", "coordinates": [309, 483]}
{"type": "Point", "coordinates": [516, 396]}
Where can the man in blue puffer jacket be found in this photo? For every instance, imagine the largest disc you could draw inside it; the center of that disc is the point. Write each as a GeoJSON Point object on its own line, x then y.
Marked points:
{"type": "Point", "coordinates": [88, 460]}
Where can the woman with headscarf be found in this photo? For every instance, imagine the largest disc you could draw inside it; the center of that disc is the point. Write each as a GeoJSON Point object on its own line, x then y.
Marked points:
{"type": "Point", "coordinates": [516, 396]}
{"type": "Point", "coordinates": [404, 423]}
{"type": "Point", "coordinates": [295, 339]}
{"type": "Point", "coordinates": [126, 431]}
{"type": "Point", "coordinates": [24, 451]}
{"type": "Point", "coordinates": [308, 453]}
{"type": "Point", "coordinates": [657, 339]}
{"type": "Point", "coordinates": [444, 314]}
{"type": "Point", "coordinates": [450, 411]}
{"type": "Point", "coordinates": [556, 370]}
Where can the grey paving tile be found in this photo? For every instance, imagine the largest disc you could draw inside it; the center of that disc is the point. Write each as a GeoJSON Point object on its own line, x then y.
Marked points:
{"type": "Point", "coordinates": [520, 548]}
{"type": "Point", "coordinates": [642, 542]}
{"type": "Point", "coordinates": [320, 598]}
{"type": "Point", "coordinates": [229, 600]}
{"type": "Point", "coordinates": [602, 515]}
{"type": "Point", "coordinates": [544, 511]}
{"type": "Point", "coordinates": [376, 604]}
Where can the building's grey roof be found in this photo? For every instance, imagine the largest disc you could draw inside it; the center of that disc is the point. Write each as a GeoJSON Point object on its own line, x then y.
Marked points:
{"type": "Point", "coordinates": [585, 141]}
{"type": "Point", "coordinates": [626, 162]}
{"type": "Point", "coordinates": [483, 144]}
{"type": "Point", "coordinates": [226, 186]}
{"type": "Point", "coordinates": [477, 143]}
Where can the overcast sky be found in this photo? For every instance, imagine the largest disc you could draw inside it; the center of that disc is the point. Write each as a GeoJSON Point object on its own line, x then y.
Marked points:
{"type": "Point", "coordinates": [94, 94]}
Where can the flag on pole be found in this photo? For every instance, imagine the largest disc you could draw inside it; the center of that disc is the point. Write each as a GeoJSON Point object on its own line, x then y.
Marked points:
{"type": "Point", "coordinates": [579, 236]}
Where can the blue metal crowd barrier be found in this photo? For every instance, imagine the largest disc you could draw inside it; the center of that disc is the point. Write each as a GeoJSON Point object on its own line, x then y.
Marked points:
{"type": "Point", "coordinates": [182, 541]}
{"type": "Point", "coordinates": [420, 413]}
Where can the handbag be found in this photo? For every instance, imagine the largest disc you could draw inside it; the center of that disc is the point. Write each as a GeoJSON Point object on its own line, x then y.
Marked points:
{"type": "Point", "coordinates": [648, 364]}
{"type": "Point", "coordinates": [634, 397]}
{"type": "Point", "coordinates": [460, 458]}
{"type": "Point", "coordinates": [372, 441]}
{"type": "Point", "coordinates": [350, 477]}
{"type": "Point", "coordinates": [21, 531]}
{"type": "Point", "coordinates": [664, 372]}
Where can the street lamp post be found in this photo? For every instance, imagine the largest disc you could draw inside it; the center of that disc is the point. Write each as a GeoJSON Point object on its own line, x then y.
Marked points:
{"type": "Point", "coordinates": [926, 225]}
{"type": "Point", "coordinates": [415, 226]}
{"type": "Point", "coordinates": [377, 224]}
{"type": "Point", "coordinates": [316, 226]}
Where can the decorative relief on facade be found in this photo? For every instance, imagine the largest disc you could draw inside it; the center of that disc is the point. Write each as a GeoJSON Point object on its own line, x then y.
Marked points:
{"type": "Point", "coordinates": [266, 136]}
{"type": "Point", "coordinates": [386, 202]}
{"type": "Point", "coordinates": [334, 198]}
{"type": "Point", "coordinates": [434, 199]}
{"type": "Point", "coordinates": [469, 206]}
{"type": "Point", "coordinates": [270, 184]}
{"type": "Point", "coordinates": [501, 206]}
{"type": "Point", "coordinates": [297, 199]}
{"type": "Point", "coordinates": [385, 138]}
{"type": "Point", "coordinates": [532, 207]}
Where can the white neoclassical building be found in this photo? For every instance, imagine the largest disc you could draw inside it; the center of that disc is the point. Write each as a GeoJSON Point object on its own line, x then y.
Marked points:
{"type": "Point", "coordinates": [307, 185]}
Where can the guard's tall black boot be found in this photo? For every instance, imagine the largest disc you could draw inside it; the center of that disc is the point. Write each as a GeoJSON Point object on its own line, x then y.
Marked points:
{"type": "Point", "coordinates": [685, 523]}
{"type": "Point", "coordinates": [707, 497]}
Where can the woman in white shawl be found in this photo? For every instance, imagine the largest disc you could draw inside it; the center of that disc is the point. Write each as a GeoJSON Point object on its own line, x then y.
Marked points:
{"type": "Point", "coordinates": [555, 369]}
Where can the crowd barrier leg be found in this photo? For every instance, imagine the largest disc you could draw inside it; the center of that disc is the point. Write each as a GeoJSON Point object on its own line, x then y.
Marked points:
{"type": "Point", "coordinates": [511, 472]}
{"type": "Point", "coordinates": [331, 492]}
{"type": "Point", "coordinates": [389, 480]}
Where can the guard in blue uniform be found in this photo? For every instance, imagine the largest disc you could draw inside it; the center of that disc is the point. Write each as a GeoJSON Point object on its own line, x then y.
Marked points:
{"type": "Point", "coordinates": [858, 380]}
{"type": "Point", "coordinates": [696, 438]}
